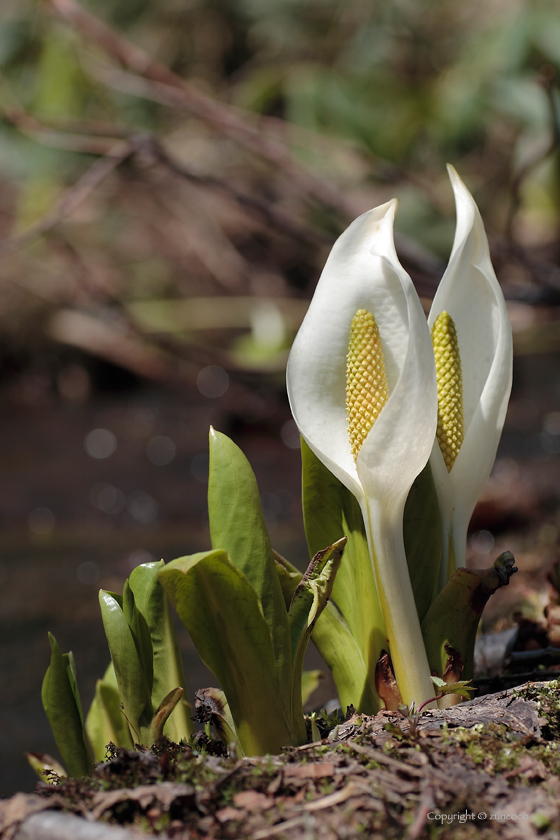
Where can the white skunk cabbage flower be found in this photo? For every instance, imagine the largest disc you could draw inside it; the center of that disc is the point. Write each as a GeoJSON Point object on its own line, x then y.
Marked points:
{"type": "Point", "coordinates": [362, 389]}
{"type": "Point", "coordinates": [472, 341]}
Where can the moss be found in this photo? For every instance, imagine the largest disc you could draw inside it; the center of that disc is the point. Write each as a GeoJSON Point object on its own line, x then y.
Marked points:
{"type": "Point", "coordinates": [540, 821]}
{"type": "Point", "coordinates": [465, 755]}
{"type": "Point", "coordinates": [547, 699]}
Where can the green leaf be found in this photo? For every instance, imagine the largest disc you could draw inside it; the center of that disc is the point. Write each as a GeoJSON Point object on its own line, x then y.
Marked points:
{"type": "Point", "coordinates": [133, 686]}
{"type": "Point", "coordinates": [105, 721]}
{"type": "Point", "coordinates": [311, 596]}
{"type": "Point", "coordinates": [330, 512]}
{"type": "Point", "coordinates": [309, 683]}
{"type": "Point", "coordinates": [439, 682]}
{"type": "Point", "coordinates": [63, 708]}
{"type": "Point", "coordinates": [462, 687]}
{"type": "Point", "coordinates": [165, 708]}
{"type": "Point", "coordinates": [215, 702]}
{"type": "Point", "coordinates": [140, 633]}
{"type": "Point", "coordinates": [336, 644]}
{"type": "Point", "coordinates": [308, 602]}
{"type": "Point", "coordinates": [237, 526]}
{"type": "Point", "coordinates": [168, 674]}
{"type": "Point", "coordinates": [315, 733]}
{"type": "Point", "coordinates": [44, 765]}
{"type": "Point", "coordinates": [453, 620]}
{"type": "Point", "coordinates": [422, 540]}
{"type": "Point", "coordinates": [288, 577]}
{"type": "Point", "coordinates": [343, 656]}
{"type": "Point", "coordinates": [221, 610]}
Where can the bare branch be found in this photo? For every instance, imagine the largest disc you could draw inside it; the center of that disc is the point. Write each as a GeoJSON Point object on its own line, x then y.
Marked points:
{"type": "Point", "coordinates": [155, 81]}
{"type": "Point", "coordinates": [72, 198]}
{"type": "Point", "coordinates": [547, 83]}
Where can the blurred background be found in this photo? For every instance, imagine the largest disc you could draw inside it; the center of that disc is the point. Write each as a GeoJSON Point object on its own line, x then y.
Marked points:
{"type": "Point", "coordinates": [172, 176]}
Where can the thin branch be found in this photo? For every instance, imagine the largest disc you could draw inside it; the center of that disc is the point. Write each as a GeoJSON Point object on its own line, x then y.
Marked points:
{"type": "Point", "coordinates": [89, 137]}
{"type": "Point", "coordinates": [539, 157]}
{"type": "Point", "coordinates": [155, 81]}
{"type": "Point", "coordinates": [310, 186]}
{"type": "Point", "coordinates": [71, 198]}
{"type": "Point", "coordinates": [68, 140]}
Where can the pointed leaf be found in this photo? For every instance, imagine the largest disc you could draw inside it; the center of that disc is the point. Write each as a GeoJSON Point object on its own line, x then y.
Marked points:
{"type": "Point", "coordinates": [461, 687]}
{"type": "Point", "coordinates": [152, 602]}
{"type": "Point", "coordinates": [133, 686]}
{"type": "Point", "coordinates": [315, 733]}
{"type": "Point", "coordinates": [237, 526]}
{"type": "Point", "coordinates": [140, 633]}
{"type": "Point", "coordinates": [64, 712]}
{"type": "Point", "coordinates": [105, 721]}
{"type": "Point", "coordinates": [221, 611]}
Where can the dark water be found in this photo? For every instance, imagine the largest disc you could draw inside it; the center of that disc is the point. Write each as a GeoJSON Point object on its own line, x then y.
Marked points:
{"type": "Point", "coordinates": [72, 524]}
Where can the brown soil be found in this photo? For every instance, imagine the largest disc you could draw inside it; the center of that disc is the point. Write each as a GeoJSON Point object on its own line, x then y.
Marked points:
{"type": "Point", "coordinates": [489, 767]}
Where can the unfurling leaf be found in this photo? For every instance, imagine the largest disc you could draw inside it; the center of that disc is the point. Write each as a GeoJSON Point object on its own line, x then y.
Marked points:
{"type": "Point", "coordinates": [46, 767]}
{"type": "Point", "coordinates": [162, 713]}
{"type": "Point", "coordinates": [63, 708]}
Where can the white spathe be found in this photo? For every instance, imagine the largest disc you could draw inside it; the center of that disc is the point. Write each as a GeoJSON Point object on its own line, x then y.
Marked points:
{"type": "Point", "coordinates": [363, 272]}
{"type": "Point", "coordinates": [470, 293]}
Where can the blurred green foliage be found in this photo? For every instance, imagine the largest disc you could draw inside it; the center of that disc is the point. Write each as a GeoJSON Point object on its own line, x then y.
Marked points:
{"type": "Point", "coordinates": [412, 83]}
{"type": "Point", "coordinates": [373, 97]}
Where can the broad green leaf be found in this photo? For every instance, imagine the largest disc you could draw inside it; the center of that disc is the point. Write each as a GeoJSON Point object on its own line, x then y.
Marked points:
{"type": "Point", "coordinates": [237, 526]}
{"type": "Point", "coordinates": [309, 682]}
{"type": "Point", "coordinates": [64, 712]}
{"type": "Point", "coordinates": [133, 686]}
{"type": "Point", "coordinates": [309, 600]}
{"type": "Point", "coordinates": [168, 673]}
{"type": "Point", "coordinates": [422, 540]}
{"type": "Point", "coordinates": [330, 512]}
{"type": "Point", "coordinates": [105, 721]}
{"type": "Point", "coordinates": [221, 610]}
{"type": "Point", "coordinates": [343, 656]}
